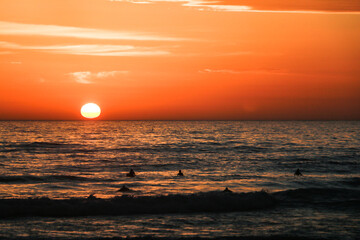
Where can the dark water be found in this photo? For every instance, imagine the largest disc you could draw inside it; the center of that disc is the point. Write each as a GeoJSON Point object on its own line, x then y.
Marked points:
{"type": "Point", "coordinates": [48, 169]}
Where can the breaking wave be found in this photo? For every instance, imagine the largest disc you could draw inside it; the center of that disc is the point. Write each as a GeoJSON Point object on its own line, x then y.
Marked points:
{"type": "Point", "coordinates": [178, 203]}
{"type": "Point", "coordinates": [273, 237]}
{"type": "Point", "coordinates": [320, 196]}
{"type": "Point", "coordinates": [127, 205]}
{"type": "Point", "coordinates": [353, 182]}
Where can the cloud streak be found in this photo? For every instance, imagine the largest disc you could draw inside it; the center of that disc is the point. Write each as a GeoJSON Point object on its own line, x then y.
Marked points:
{"type": "Point", "coordinates": [90, 49]}
{"type": "Point", "coordinates": [228, 71]}
{"type": "Point", "coordinates": [5, 52]}
{"type": "Point", "coordinates": [11, 28]}
{"type": "Point", "coordinates": [304, 6]}
{"type": "Point", "coordinates": [90, 77]}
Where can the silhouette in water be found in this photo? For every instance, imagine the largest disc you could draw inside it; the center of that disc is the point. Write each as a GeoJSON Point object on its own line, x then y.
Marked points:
{"type": "Point", "coordinates": [131, 173]}
{"type": "Point", "coordinates": [91, 196]}
{"type": "Point", "coordinates": [124, 189]}
{"type": "Point", "coordinates": [297, 173]}
{"type": "Point", "coordinates": [227, 190]}
{"type": "Point", "coordinates": [180, 173]}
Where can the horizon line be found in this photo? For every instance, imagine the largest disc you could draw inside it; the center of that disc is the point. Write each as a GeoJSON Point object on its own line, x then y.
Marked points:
{"type": "Point", "coordinates": [183, 120]}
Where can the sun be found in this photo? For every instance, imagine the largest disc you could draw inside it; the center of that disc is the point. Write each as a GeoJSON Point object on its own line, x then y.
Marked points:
{"type": "Point", "coordinates": [90, 110]}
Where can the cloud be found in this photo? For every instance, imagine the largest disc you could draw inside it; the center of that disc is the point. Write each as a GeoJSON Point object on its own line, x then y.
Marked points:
{"type": "Point", "coordinates": [5, 52]}
{"type": "Point", "coordinates": [304, 6]}
{"type": "Point", "coordinates": [90, 49]}
{"type": "Point", "coordinates": [227, 71]}
{"type": "Point", "coordinates": [11, 28]}
{"type": "Point", "coordinates": [238, 53]}
{"type": "Point", "coordinates": [90, 77]}
{"type": "Point", "coordinates": [81, 77]}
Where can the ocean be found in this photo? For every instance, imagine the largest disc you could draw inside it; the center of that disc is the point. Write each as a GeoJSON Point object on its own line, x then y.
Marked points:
{"type": "Point", "coordinates": [61, 180]}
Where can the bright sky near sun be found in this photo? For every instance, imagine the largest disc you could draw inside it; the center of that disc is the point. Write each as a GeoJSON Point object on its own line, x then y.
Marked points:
{"type": "Point", "coordinates": [172, 59]}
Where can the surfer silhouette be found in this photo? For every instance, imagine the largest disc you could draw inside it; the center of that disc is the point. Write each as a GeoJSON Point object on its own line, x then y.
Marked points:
{"type": "Point", "coordinates": [91, 196]}
{"type": "Point", "coordinates": [297, 173]}
{"type": "Point", "coordinates": [131, 173]}
{"type": "Point", "coordinates": [124, 189]}
{"type": "Point", "coordinates": [227, 190]}
{"type": "Point", "coordinates": [180, 173]}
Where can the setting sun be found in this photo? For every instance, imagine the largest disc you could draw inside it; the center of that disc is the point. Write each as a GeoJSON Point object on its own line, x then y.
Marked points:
{"type": "Point", "coordinates": [90, 110]}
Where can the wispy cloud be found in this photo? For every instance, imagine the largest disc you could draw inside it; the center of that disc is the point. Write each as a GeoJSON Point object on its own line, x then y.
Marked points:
{"type": "Point", "coordinates": [90, 49]}
{"type": "Point", "coordinates": [90, 77]}
{"type": "Point", "coordinates": [304, 6]}
{"type": "Point", "coordinates": [228, 71]}
{"type": "Point", "coordinates": [5, 52]}
{"type": "Point", "coordinates": [11, 28]}
{"type": "Point", "coordinates": [238, 53]}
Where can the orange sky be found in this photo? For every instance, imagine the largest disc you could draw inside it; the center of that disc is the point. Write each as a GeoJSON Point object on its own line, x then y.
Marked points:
{"type": "Point", "coordinates": [183, 60]}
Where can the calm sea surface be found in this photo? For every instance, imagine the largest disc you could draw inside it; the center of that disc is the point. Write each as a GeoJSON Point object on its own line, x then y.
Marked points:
{"type": "Point", "coordinates": [48, 170]}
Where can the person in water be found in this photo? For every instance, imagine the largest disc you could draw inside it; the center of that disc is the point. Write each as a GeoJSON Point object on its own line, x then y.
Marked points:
{"type": "Point", "coordinates": [124, 189]}
{"type": "Point", "coordinates": [91, 196]}
{"type": "Point", "coordinates": [131, 173]}
{"type": "Point", "coordinates": [180, 173]}
{"type": "Point", "coordinates": [227, 190]}
{"type": "Point", "coordinates": [297, 173]}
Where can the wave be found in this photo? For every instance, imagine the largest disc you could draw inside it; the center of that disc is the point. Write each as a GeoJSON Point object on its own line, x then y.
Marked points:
{"type": "Point", "coordinates": [180, 203]}
{"type": "Point", "coordinates": [127, 205]}
{"type": "Point", "coordinates": [209, 146]}
{"type": "Point", "coordinates": [56, 147]}
{"type": "Point", "coordinates": [319, 195]}
{"type": "Point", "coordinates": [39, 147]}
{"type": "Point", "coordinates": [353, 182]}
{"type": "Point", "coordinates": [44, 145]}
{"type": "Point", "coordinates": [48, 178]}
{"type": "Point", "coordinates": [272, 237]}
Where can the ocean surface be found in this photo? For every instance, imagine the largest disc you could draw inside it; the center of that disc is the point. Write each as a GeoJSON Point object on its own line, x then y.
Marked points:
{"type": "Point", "coordinates": [61, 180]}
